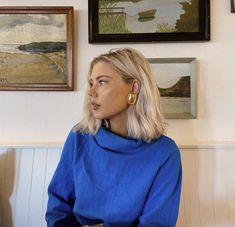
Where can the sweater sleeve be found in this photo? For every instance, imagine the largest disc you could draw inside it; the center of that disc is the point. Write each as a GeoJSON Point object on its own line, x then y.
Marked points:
{"type": "Point", "coordinates": [61, 189]}
{"type": "Point", "coordinates": [162, 204]}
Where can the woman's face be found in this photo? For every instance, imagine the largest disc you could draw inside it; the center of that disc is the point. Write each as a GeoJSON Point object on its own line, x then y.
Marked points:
{"type": "Point", "coordinates": [108, 93]}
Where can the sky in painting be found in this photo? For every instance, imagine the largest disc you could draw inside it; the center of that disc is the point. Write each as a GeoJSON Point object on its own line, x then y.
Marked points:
{"type": "Point", "coordinates": [166, 75]}
{"type": "Point", "coordinates": [26, 28]}
{"type": "Point", "coordinates": [168, 11]}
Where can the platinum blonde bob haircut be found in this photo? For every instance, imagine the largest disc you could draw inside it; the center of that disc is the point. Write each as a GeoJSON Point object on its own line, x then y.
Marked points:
{"type": "Point", "coordinates": [144, 119]}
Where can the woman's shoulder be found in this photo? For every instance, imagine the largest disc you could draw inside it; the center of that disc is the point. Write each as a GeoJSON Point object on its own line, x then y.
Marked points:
{"type": "Point", "coordinates": [167, 144]}
{"type": "Point", "coordinates": [76, 130]}
{"type": "Point", "coordinates": [76, 134]}
{"type": "Point", "coordinates": [167, 140]}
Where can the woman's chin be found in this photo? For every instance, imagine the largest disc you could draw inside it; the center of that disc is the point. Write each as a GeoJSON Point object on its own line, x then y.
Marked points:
{"type": "Point", "coordinates": [97, 116]}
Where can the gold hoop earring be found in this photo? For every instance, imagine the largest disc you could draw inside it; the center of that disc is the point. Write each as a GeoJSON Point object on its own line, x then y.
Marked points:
{"type": "Point", "coordinates": [131, 98]}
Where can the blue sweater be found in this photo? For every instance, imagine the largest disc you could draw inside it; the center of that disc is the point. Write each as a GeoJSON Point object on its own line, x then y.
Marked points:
{"type": "Point", "coordinates": [115, 180]}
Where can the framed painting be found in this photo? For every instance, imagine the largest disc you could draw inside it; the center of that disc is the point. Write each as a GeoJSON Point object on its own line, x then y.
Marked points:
{"type": "Point", "coordinates": [148, 21]}
{"type": "Point", "coordinates": [36, 48]}
{"type": "Point", "coordinates": [176, 81]}
{"type": "Point", "coordinates": [233, 6]}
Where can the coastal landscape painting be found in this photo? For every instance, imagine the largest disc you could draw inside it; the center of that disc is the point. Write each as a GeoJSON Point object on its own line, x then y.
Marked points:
{"type": "Point", "coordinates": [36, 48]}
{"type": "Point", "coordinates": [176, 81]}
{"type": "Point", "coordinates": [135, 19]}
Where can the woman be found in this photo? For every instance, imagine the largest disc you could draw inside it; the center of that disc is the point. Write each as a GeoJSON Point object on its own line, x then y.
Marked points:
{"type": "Point", "coordinates": [117, 167]}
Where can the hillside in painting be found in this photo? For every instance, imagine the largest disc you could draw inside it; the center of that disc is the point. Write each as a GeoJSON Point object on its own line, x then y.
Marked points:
{"type": "Point", "coordinates": [45, 47]}
{"type": "Point", "coordinates": [180, 89]}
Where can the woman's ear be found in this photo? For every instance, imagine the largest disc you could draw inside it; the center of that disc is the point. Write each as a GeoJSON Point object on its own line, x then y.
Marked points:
{"type": "Point", "coordinates": [136, 86]}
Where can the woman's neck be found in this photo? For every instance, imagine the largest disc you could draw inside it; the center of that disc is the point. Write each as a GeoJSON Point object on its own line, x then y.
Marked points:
{"type": "Point", "coordinates": [118, 126]}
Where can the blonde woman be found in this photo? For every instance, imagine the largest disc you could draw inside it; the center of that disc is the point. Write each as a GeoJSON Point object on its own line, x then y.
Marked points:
{"type": "Point", "coordinates": [117, 166]}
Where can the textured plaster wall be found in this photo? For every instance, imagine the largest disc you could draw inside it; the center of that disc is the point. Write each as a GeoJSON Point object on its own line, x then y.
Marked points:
{"type": "Point", "coordinates": [35, 117]}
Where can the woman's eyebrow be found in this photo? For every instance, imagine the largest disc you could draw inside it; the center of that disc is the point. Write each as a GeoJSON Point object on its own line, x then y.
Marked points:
{"type": "Point", "coordinates": [99, 77]}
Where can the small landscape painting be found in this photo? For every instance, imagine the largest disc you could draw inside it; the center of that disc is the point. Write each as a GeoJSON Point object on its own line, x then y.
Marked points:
{"type": "Point", "coordinates": [152, 16]}
{"type": "Point", "coordinates": [175, 78]}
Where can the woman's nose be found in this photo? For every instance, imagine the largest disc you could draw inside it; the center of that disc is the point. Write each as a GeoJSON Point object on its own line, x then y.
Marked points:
{"type": "Point", "coordinates": [92, 92]}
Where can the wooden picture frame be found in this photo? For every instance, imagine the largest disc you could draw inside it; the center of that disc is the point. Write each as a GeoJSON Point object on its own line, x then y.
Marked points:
{"type": "Point", "coordinates": [176, 81]}
{"type": "Point", "coordinates": [115, 21]}
{"type": "Point", "coordinates": [232, 6]}
{"type": "Point", "coordinates": [36, 48]}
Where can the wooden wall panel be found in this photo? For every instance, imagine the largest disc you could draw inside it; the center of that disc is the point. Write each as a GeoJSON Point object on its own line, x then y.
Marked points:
{"type": "Point", "coordinates": [207, 200]}
{"type": "Point", "coordinates": [53, 156]}
{"type": "Point", "coordinates": [23, 192]}
{"type": "Point", "coordinates": [3, 200]}
{"type": "Point", "coordinates": [37, 193]}
{"type": "Point", "coordinates": [190, 185]}
{"type": "Point", "coordinates": [230, 184]}
{"type": "Point", "coordinates": [220, 191]}
{"type": "Point", "coordinates": [203, 162]}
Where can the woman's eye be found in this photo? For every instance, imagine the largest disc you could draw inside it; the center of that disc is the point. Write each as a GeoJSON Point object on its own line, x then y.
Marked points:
{"type": "Point", "coordinates": [101, 82]}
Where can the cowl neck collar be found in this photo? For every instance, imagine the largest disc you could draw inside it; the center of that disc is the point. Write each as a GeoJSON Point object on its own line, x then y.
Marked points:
{"type": "Point", "coordinates": [111, 141]}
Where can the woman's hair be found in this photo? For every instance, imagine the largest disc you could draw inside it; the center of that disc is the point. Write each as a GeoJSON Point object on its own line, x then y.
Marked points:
{"type": "Point", "coordinates": [144, 119]}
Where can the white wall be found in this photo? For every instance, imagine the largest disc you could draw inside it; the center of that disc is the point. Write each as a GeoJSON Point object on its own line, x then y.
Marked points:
{"type": "Point", "coordinates": [33, 117]}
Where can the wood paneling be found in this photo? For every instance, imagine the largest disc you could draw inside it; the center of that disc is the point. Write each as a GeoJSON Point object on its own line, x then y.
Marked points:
{"type": "Point", "coordinates": [24, 176]}
{"type": "Point", "coordinates": [207, 200]}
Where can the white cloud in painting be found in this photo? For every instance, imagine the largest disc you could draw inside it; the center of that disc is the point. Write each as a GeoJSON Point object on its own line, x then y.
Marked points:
{"type": "Point", "coordinates": [19, 29]}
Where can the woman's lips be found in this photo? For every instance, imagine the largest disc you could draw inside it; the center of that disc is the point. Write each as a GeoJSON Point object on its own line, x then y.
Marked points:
{"type": "Point", "coordinates": [95, 106]}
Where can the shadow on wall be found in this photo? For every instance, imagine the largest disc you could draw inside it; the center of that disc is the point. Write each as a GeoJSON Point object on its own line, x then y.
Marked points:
{"type": "Point", "coordinates": [7, 176]}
